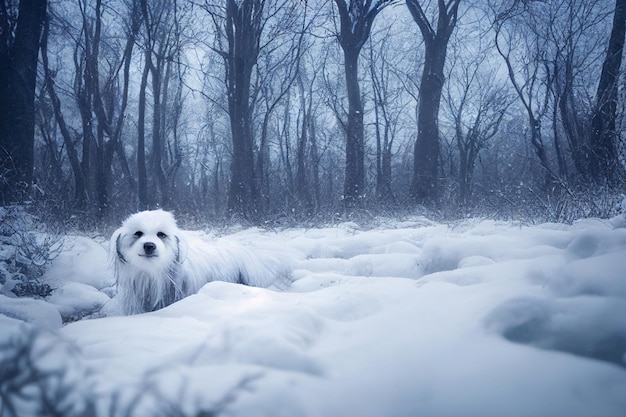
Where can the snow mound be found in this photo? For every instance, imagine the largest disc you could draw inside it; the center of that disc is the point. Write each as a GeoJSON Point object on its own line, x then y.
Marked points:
{"type": "Point", "coordinates": [83, 260]}
{"type": "Point", "coordinates": [29, 310]}
{"type": "Point", "coordinates": [472, 319]}
{"type": "Point", "coordinates": [584, 326]}
{"type": "Point", "coordinates": [75, 300]}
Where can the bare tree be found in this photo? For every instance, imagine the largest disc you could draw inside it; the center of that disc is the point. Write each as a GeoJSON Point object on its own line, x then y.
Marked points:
{"type": "Point", "coordinates": [356, 19]}
{"type": "Point", "coordinates": [20, 32]}
{"type": "Point", "coordinates": [80, 186]}
{"type": "Point", "coordinates": [604, 161]}
{"type": "Point", "coordinates": [426, 152]}
{"type": "Point", "coordinates": [100, 90]}
{"type": "Point", "coordinates": [250, 39]}
{"type": "Point", "coordinates": [526, 68]}
{"type": "Point", "coordinates": [276, 73]}
{"type": "Point", "coordinates": [476, 105]}
{"type": "Point", "coordinates": [552, 51]}
{"type": "Point", "coordinates": [240, 24]}
{"type": "Point", "coordinates": [389, 106]}
{"type": "Point", "coordinates": [308, 185]}
{"type": "Point", "coordinates": [306, 137]}
{"type": "Point", "coordinates": [571, 36]}
{"type": "Point", "coordinates": [162, 48]}
{"type": "Point", "coordinates": [568, 22]}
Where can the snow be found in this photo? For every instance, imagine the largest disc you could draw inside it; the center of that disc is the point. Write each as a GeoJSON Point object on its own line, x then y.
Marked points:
{"type": "Point", "coordinates": [84, 261]}
{"type": "Point", "coordinates": [37, 312]}
{"type": "Point", "coordinates": [75, 300]}
{"type": "Point", "coordinates": [475, 318]}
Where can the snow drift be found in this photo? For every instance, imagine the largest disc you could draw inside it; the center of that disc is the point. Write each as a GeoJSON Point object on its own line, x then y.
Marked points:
{"type": "Point", "coordinates": [478, 318]}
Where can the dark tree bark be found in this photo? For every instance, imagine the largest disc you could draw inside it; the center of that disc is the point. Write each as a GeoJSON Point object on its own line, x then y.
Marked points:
{"type": "Point", "coordinates": [572, 125]}
{"type": "Point", "coordinates": [603, 158]}
{"type": "Point", "coordinates": [80, 187]}
{"type": "Point", "coordinates": [275, 82]}
{"type": "Point", "coordinates": [307, 174]}
{"type": "Point", "coordinates": [160, 48]}
{"type": "Point", "coordinates": [356, 19]}
{"type": "Point", "coordinates": [424, 186]}
{"type": "Point", "coordinates": [244, 25]}
{"type": "Point", "coordinates": [302, 180]}
{"type": "Point", "coordinates": [103, 139]}
{"type": "Point", "coordinates": [133, 28]}
{"type": "Point", "coordinates": [383, 123]}
{"type": "Point", "coordinates": [101, 107]}
{"type": "Point", "coordinates": [158, 140]}
{"type": "Point", "coordinates": [103, 98]}
{"type": "Point", "coordinates": [142, 171]}
{"type": "Point", "coordinates": [19, 49]}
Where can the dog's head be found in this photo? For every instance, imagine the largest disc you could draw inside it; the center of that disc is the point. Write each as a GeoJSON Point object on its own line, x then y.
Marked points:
{"type": "Point", "coordinates": [147, 240]}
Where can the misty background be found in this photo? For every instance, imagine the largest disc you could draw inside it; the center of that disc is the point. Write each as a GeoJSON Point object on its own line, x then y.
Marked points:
{"type": "Point", "coordinates": [268, 109]}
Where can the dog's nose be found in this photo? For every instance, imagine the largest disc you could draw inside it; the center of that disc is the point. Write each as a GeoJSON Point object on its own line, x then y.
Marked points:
{"type": "Point", "coordinates": [149, 247]}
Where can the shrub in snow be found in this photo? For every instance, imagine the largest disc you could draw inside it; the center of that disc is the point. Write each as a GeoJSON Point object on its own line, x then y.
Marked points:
{"type": "Point", "coordinates": [40, 374]}
{"type": "Point", "coordinates": [26, 251]}
{"type": "Point", "coordinates": [43, 374]}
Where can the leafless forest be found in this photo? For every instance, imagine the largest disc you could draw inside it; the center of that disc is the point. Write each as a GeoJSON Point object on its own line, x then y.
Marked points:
{"type": "Point", "coordinates": [269, 109]}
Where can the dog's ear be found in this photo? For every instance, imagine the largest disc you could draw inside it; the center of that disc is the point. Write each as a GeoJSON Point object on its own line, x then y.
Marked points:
{"type": "Point", "coordinates": [181, 250]}
{"type": "Point", "coordinates": [116, 247]}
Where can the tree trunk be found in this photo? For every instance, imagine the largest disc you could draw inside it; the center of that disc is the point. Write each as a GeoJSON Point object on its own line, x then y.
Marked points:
{"type": "Point", "coordinates": [243, 27]}
{"type": "Point", "coordinates": [354, 185]}
{"type": "Point", "coordinates": [426, 151]}
{"type": "Point", "coordinates": [424, 187]}
{"type": "Point", "coordinates": [104, 149]}
{"type": "Point", "coordinates": [315, 163]}
{"type": "Point", "coordinates": [80, 189]}
{"type": "Point", "coordinates": [18, 75]}
{"type": "Point", "coordinates": [536, 139]}
{"type": "Point", "coordinates": [243, 193]}
{"type": "Point", "coordinates": [603, 158]}
{"type": "Point", "coordinates": [464, 180]}
{"type": "Point", "coordinates": [356, 19]}
{"type": "Point", "coordinates": [303, 191]}
{"type": "Point", "coordinates": [142, 172]}
{"type": "Point", "coordinates": [527, 95]}
{"type": "Point", "coordinates": [158, 135]}
{"type": "Point", "coordinates": [135, 25]}
{"type": "Point", "coordinates": [383, 146]}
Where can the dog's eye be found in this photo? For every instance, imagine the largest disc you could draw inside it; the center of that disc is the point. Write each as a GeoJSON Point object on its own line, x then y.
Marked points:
{"type": "Point", "coordinates": [138, 233]}
{"type": "Point", "coordinates": [161, 235]}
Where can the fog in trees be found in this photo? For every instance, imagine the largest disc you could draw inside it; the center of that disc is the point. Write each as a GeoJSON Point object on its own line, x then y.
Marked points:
{"type": "Point", "coordinates": [271, 109]}
{"type": "Point", "coordinates": [20, 29]}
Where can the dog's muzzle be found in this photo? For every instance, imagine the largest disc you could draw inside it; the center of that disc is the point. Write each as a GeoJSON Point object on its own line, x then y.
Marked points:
{"type": "Point", "coordinates": [149, 248]}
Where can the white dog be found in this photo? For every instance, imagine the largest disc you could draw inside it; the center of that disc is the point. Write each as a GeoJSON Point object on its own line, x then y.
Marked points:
{"type": "Point", "coordinates": [157, 264]}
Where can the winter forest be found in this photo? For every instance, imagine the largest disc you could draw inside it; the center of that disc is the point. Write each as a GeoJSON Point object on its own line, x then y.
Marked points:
{"type": "Point", "coordinates": [374, 208]}
{"type": "Point", "coordinates": [265, 109]}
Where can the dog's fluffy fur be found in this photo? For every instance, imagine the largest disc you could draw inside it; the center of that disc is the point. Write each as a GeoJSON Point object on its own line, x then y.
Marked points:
{"type": "Point", "coordinates": [157, 264]}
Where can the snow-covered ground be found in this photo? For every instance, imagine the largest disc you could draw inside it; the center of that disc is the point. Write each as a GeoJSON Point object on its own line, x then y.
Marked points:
{"type": "Point", "coordinates": [477, 318]}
